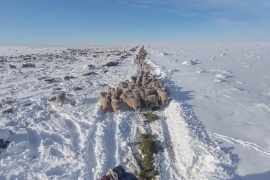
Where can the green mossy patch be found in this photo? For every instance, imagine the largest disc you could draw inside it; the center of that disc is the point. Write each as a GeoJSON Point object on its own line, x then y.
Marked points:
{"type": "Point", "coordinates": [150, 117]}
{"type": "Point", "coordinates": [148, 148]}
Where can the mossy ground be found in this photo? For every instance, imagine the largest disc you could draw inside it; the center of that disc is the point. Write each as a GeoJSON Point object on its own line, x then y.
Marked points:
{"type": "Point", "coordinates": [150, 117]}
{"type": "Point", "coordinates": [148, 148]}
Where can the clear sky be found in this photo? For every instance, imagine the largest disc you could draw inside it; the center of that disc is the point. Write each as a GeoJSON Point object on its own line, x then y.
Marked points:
{"type": "Point", "coordinates": [59, 22]}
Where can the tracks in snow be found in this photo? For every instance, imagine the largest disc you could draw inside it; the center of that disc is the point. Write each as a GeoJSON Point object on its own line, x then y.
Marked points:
{"type": "Point", "coordinates": [107, 144]}
{"type": "Point", "coordinates": [189, 151]}
{"type": "Point", "coordinates": [110, 142]}
{"type": "Point", "coordinates": [192, 158]}
{"type": "Point", "coordinates": [249, 145]}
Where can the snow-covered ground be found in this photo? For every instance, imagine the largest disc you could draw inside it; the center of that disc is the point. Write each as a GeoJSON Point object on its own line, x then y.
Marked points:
{"type": "Point", "coordinates": [216, 125]}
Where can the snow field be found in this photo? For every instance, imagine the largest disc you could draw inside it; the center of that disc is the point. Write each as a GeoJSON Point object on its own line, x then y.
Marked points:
{"type": "Point", "coordinates": [214, 127]}
{"type": "Point", "coordinates": [227, 89]}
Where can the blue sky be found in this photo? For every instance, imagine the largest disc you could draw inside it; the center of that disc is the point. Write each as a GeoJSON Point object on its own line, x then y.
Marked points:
{"type": "Point", "coordinates": [60, 22]}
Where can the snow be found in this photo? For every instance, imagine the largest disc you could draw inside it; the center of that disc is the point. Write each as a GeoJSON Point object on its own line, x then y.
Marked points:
{"type": "Point", "coordinates": [216, 125]}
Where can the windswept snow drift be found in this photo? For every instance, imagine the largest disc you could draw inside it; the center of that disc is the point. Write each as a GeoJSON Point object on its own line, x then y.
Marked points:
{"type": "Point", "coordinates": [214, 127]}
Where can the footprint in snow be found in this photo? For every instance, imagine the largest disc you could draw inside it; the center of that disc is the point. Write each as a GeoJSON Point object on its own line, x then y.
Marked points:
{"type": "Point", "coordinates": [252, 56]}
{"type": "Point", "coordinates": [221, 55]}
{"type": "Point", "coordinates": [213, 58]}
{"type": "Point", "coordinates": [240, 82]}
{"type": "Point", "coordinates": [190, 62]}
{"type": "Point", "coordinates": [201, 71]}
{"type": "Point", "coordinates": [220, 78]}
{"type": "Point", "coordinates": [236, 89]}
{"type": "Point", "coordinates": [174, 70]}
{"type": "Point", "coordinates": [225, 71]}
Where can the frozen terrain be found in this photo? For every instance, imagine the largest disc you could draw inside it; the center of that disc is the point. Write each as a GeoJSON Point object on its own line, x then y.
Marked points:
{"type": "Point", "coordinates": [216, 125]}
